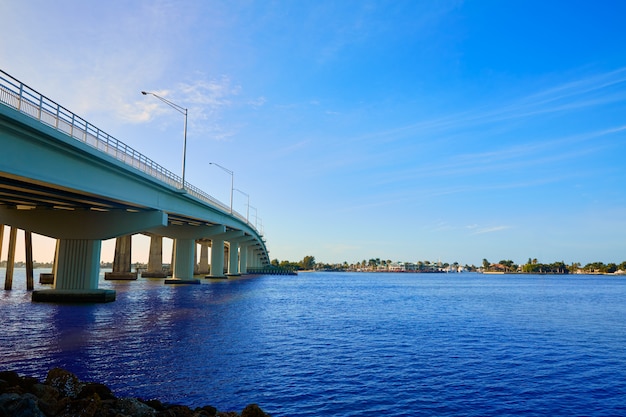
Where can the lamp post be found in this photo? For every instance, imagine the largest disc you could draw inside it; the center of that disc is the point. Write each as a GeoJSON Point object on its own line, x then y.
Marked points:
{"type": "Point", "coordinates": [248, 208]}
{"type": "Point", "coordinates": [232, 183]}
{"type": "Point", "coordinates": [182, 110]}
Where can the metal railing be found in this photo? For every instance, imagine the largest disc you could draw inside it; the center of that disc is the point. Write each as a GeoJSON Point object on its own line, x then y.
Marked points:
{"type": "Point", "coordinates": [19, 96]}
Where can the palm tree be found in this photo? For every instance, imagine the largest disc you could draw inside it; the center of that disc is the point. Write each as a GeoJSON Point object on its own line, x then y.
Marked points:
{"type": "Point", "coordinates": [486, 263]}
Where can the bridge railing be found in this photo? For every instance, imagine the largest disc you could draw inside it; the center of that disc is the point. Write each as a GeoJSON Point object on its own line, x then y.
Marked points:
{"type": "Point", "coordinates": [18, 95]}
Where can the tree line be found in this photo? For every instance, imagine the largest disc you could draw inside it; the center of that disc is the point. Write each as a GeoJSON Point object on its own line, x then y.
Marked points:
{"type": "Point", "coordinates": [532, 266]}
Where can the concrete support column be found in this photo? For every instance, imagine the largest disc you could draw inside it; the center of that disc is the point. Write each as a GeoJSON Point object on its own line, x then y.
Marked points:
{"type": "Point", "coordinates": [250, 256]}
{"type": "Point", "coordinates": [8, 280]}
{"type": "Point", "coordinates": [203, 266]}
{"type": "Point", "coordinates": [184, 262]}
{"type": "Point", "coordinates": [217, 258]}
{"type": "Point", "coordinates": [257, 258]}
{"type": "Point", "coordinates": [10, 269]}
{"type": "Point", "coordinates": [170, 272]}
{"type": "Point", "coordinates": [28, 245]}
{"type": "Point", "coordinates": [121, 260]}
{"type": "Point", "coordinates": [77, 266]}
{"type": "Point", "coordinates": [243, 259]}
{"type": "Point", "coordinates": [233, 259]}
{"type": "Point", "coordinates": [155, 259]}
{"type": "Point", "coordinates": [76, 273]}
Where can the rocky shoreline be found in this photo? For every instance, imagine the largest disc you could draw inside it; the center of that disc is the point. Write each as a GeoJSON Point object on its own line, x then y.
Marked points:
{"type": "Point", "coordinates": [62, 394]}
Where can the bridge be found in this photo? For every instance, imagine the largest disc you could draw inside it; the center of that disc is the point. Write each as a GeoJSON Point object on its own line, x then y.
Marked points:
{"type": "Point", "coordinates": [64, 178]}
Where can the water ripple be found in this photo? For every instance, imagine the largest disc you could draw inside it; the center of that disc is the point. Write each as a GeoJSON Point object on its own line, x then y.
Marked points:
{"type": "Point", "coordinates": [342, 344]}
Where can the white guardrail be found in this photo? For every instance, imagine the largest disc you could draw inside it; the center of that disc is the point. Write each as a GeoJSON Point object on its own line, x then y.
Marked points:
{"type": "Point", "coordinates": [19, 96]}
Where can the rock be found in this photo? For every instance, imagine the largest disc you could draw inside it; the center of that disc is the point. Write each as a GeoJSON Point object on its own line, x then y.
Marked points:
{"type": "Point", "coordinates": [156, 404]}
{"type": "Point", "coordinates": [10, 382]}
{"type": "Point", "coordinates": [27, 383]}
{"type": "Point", "coordinates": [85, 407]}
{"type": "Point", "coordinates": [48, 397]}
{"type": "Point", "coordinates": [66, 382]}
{"type": "Point", "coordinates": [64, 395]}
{"type": "Point", "coordinates": [11, 377]}
{"type": "Point", "coordinates": [207, 411]}
{"type": "Point", "coordinates": [16, 405]}
{"type": "Point", "coordinates": [133, 407]}
{"type": "Point", "coordinates": [176, 411]}
{"type": "Point", "coordinates": [91, 388]}
{"type": "Point", "coordinates": [253, 410]}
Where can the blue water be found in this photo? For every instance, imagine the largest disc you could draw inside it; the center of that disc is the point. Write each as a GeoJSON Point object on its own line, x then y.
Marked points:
{"type": "Point", "coordinates": [341, 344]}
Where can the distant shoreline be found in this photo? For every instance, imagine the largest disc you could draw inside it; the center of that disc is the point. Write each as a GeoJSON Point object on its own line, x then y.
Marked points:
{"type": "Point", "coordinates": [466, 272]}
{"type": "Point", "coordinates": [304, 271]}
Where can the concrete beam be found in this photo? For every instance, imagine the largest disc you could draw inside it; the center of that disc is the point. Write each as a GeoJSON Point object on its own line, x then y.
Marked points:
{"type": "Point", "coordinates": [83, 224]}
{"type": "Point", "coordinates": [242, 239]}
{"type": "Point", "coordinates": [175, 231]}
{"type": "Point", "coordinates": [233, 234]}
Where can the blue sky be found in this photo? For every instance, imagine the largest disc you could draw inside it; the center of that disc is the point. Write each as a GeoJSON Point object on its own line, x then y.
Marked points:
{"type": "Point", "coordinates": [402, 130]}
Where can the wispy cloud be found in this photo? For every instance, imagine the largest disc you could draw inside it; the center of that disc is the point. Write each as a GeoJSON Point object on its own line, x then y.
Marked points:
{"type": "Point", "coordinates": [517, 166]}
{"type": "Point", "coordinates": [369, 20]}
{"type": "Point", "coordinates": [280, 153]}
{"type": "Point", "coordinates": [204, 98]}
{"type": "Point", "coordinates": [518, 152]}
{"type": "Point", "coordinates": [257, 102]}
{"type": "Point", "coordinates": [587, 92]}
{"type": "Point", "coordinates": [493, 229]}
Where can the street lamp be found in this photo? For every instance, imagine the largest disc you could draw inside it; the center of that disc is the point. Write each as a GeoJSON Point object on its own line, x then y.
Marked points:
{"type": "Point", "coordinates": [232, 183]}
{"type": "Point", "coordinates": [182, 110]}
{"type": "Point", "coordinates": [248, 209]}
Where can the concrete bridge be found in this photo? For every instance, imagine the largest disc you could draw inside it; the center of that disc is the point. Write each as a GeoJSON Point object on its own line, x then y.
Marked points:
{"type": "Point", "coordinates": [64, 178]}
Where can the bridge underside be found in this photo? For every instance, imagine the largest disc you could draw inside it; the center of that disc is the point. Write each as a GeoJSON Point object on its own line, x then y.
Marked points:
{"type": "Point", "coordinates": [80, 221]}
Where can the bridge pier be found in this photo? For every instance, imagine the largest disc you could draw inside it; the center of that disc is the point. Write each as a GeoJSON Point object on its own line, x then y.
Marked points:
{"type": "Point", "coordinates": [243, 259]}
{"type": "Point", "coordinates": [238, 258]}
{"type": "Point", "coordinates": [122, 260]}
{"type": "Point", "coordinates": [203, 266]}
{"type": "Point", "coordinates": [252, 256]}
{"type": "Point", "coordinates": [76, 273]}
{"type": "Point", "coordinates": [155, 259]}
{"type": "Point", "coordinates": [217, 258]}
{"type": "Point", "coordinates": [217, 252]}
{"type": "Point", "coordinates": [28, 246]}
{"type": "Point", "coordinates": [256, 257]}
{"type": "Point", "coordinates": [8, 280]}
{"type": "Point", "coordinates": [233, 259]}
{"type": "Point", "coordinates": [184, 262]}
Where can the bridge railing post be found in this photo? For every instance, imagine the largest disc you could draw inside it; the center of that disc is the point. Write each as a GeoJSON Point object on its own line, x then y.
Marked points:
{"type": "Point", "coordinates": [56, 120]}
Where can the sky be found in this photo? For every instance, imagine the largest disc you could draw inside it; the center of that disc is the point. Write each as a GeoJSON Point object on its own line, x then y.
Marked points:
{"type": "Point", "coordinates": [401, 130]}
